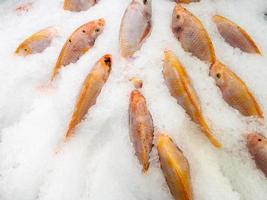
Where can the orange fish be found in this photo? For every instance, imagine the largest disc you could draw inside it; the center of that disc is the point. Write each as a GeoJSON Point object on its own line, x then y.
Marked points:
{"type": "Point", "coordinates": [135, 27]}
{"type": "Point", "coordinates": [235, 35]}
{"type": "Point", "coordinates": [175, 168]}
{"type": "Point", "coordinates": [81, 40]}
{"type": "Point", "coordinates": [78, 5]}
{"type": "Point", "coordinates": [37, 42]}
{"type": "Point", "coordinates": [89, 92]}
{"type": "Point", "coordinates": [180, 88]}
{"type": "Point", "coordinates": [234, 90]}
{"type": "Point", "coordinates": [191, 33]}
{"type": "Point", "coordinates": [257, 146]}
{"type": "Point", "coordinates": [141, 128]}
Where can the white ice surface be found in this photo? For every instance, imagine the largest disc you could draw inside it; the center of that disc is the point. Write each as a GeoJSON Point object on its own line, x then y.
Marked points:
{"type": "Point", "coordinates": [99, 162]}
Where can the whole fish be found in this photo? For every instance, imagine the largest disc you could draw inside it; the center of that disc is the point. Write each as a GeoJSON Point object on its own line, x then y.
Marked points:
{"type": "Point", "coordinates": [234, 90]}
{"type": "Point", "coordinates": [37, 42]}
{"type": "Point", "coordinates": [78, 5]}
{"type": "Point", "coordinates": [89, 92]}
{"type": "Point", "coordinates": [141, 128]}
{"type": "Point", "coordinates": [180, 88]}
{"type": "Point", "coordinates": [257, 146]}
{"type": "Point", "coordinates": [175, 168]}
{"type": "Point", "coordinates": [81, 40]}
{"type": "Point", "coordinates": [135, 27]}
{"type": "Point", "coordinates": [235, 35]}
{"type": "Point", "coordinates": [191, 33]}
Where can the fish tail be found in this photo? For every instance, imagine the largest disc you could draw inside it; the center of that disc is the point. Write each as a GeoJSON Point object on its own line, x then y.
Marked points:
{"type": "Point", "coordinates": [206, 130]}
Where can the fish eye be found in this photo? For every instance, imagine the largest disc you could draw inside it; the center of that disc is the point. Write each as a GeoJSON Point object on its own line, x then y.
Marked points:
{"type": "Point", "coordinates": [259, 140]}
{"type": "Point", "coordinates": [83, 31]}
{"type": "Point", "coordinates": [25, 49]}
{"type": "Point", "coordinates": [218, 75]}
{"type": "Point", "coordinates": [69, 40]}
{"type": "Point", "coordinates": [97, 30]}
{"type": "Point", "coordinates": [178, 16]}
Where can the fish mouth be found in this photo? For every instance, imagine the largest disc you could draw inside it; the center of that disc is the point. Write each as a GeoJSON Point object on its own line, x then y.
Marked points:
{"type": "Point", "coordinates": [108, 60]}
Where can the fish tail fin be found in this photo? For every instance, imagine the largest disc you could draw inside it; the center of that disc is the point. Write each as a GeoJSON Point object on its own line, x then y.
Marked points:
{"type": "Point", "coordinates": [206, 130]}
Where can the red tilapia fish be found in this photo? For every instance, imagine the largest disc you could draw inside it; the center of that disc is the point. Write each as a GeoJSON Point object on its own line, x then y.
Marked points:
{"type": "Point", "coordinates": [37, 42]}
{"type": "Point", "coordinates": [135, 27]}
{"type": "Point", "coordinates": [175, 168]}
{"type": "Point", "coordinates": [192, 35]}
{"type": "Point", "coordinates": [78, 5]}
{"type": "Point", "coordinates": [89, 92]}
{"type": "Point", "coordinates": [235, 35]}
{"type": "Point", "coordinates": [180, 88]}
{"type": "Point", "coordinates": [81, 40]}
{"type": "Point", "coordinates": [234, 90]}
{"type": "Point", "coordinates": [257, 146]}
{"type": "Point", "coordinates": [141, 128]}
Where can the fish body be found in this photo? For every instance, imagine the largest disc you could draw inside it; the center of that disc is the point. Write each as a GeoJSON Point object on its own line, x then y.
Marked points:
{"type": "Point", "coordinates": [141, 128]}
{"type": "Point", "coordinates": [81, 40]}
{"type": "Point", "coordinates": [235, 35]}
{"type": "Point", "coordinates": [234, 90]}
{"type": "Point", "coordinates": [257, 146]}
{"type": "Point", "coordinates": [78, 5]}
{"type": "Point", "coordinates": [37, 42]}
{"type": "Point", "coordinates": [135, 27]}
{"type": "Point", "coordinates": [192, 35]}
{"type": "Point", "coordinates": [89, 92]}
{"type": "Point", "coordinates": [175, 168]}
{"type": "Point", "coordinates": [180, 88]}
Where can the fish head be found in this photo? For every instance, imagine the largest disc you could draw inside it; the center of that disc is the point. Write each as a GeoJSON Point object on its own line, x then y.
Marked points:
{"type": "Point", "coordinates": [106, 62]}
{"type": "Point", "coordinates": [255, 141]}
{"type": "Point", "coordinates": [94, 28]}
{"type": "Point", "coordinates": [178, 18]}
{"type": "Point", "coordinates": [23, 50]}
{"type": "Point", "coordinates": [218, 73]}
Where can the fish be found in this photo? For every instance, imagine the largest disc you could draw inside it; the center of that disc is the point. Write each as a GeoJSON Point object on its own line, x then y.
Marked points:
{"type": "Point", "coordinates": [135, 27]}
{"type": "Point", "coordinates": [175, 168]}
{"type": "Point", "coordinates": [89, 92]}
{"type": "Point", "coordinates": [234, 35]}
{"type": "Point", "coordinates": [80, 41]}
{"type": "Point", "coordinates": [37, 42]}
{"type": "Point", "coordinates": [192, 35]}
{"type": "Point", "coordinates": [180, 88]}
{"type": "Point", "coordinates": [257, 146]}
{"type": "Point", "coordinates": [186, 1]}
{"type": "Point", "coordinates": [78, 5]}
{"type": "Point", "coordinates": [234, 91]}
{"type": "Point", "coordinates": [141, 127]}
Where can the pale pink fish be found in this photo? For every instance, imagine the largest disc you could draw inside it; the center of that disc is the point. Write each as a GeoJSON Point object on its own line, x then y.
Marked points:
{"type": "Point", "coordinates": [235, 35]}
{"type": "Point", "coordinates": [80, 41]}
{"type": "Point", "coordinates": [78, 5]}
{"type": "Point", "coordinates": [257, 146]}
{"type": "Point", "coordinates": [141, 128]}
{"type": "Point", "coordinates": [135, 27]}
{"type": "Point", "coordinates": [37, 42]}
{"type": "Point", "coordinates": [192, 35]}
